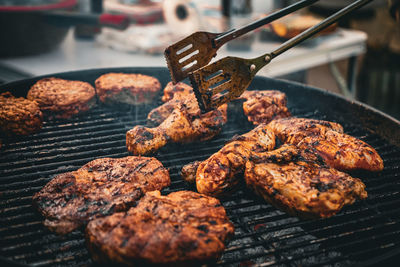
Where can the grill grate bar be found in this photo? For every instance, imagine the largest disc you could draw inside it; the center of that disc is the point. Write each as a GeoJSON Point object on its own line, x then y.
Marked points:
{"type": "Point", "coordinates": [286, 237]}
{"type": "Point", "coordinates": [75, 247]}
{"type": "Point", "coordinates": [77, 162]}
{"type": "Point", "coordinates": [54, 143]}
{"type": "Point", "coordinates": [109, 145]}
{"type": "Point", "coordinates": [351, 243]}
{"type": "Point", "coordinates": [344, 217]}
{"type": "Point", "coordinates": [314, 242]}
{"type": "Point", "coordinates": [67, 141]}
{"type": "Point", "coordinates": [54, 154]}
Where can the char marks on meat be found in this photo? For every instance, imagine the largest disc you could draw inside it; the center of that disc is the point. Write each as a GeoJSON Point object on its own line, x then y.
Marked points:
{"type": "Point", "coordinates": [99, 188]}
{"type": "Point", "coordinates": [179, 121]}
{"type": "Point", "coordinates": [222, 171]}
{"type": "Point", "coordinates": [299, 182]}
{"type": "Point", "coordinates": [264, 106]}
{"type": "Point", "coordinates": [179, 229]}
{"type": "Point", "coordinates": [339, 150]}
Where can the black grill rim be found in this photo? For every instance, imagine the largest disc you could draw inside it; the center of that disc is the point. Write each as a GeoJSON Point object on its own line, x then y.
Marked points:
{"type": "Point", "coordinates": [372, 119]}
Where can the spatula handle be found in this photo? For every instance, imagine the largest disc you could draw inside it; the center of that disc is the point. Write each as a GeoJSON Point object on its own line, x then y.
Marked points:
{"type": "Point", "coordinates": [232, 34]}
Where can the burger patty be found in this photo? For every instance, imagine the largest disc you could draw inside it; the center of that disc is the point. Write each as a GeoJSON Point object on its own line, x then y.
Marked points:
{"type": "Point", "coordinates": [126, 88]}
{"type": "Point", "coordinates": [59, 98]}
{"type": "Point", "coordinates": [179, 229]}
{"type": "Point", "coordinates": [99, 188]}
{"type": "Point", "coordinates": [19, 116]}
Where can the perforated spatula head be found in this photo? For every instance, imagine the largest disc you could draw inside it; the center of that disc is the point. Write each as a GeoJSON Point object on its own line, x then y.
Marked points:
{"type": "Point", "coordinates": [189, 54]}
{"type": "Point", "coordinates": [223, 80]}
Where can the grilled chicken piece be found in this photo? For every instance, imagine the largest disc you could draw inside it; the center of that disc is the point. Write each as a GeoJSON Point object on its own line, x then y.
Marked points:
{"type": "Point", "coordinates": [99, 188]}
{"type": "Point", "coordinates": [298, 182]}
{"type": "Point", "coordinates": [180, 229]}
{"type": "Point", "coordinates": [264, 106]}
{"type": "Point", "coordinates": [219, 174]}
{"type": "Point", "coordinates": [339, 150]}
{"type": "Point", "coordinates": [178, 90]}
{"type": "Point", "coordinates": [175, 95]}
{"type": "Point", "coordinates": [188, 172]}
{"type": "Point", "coordinates": [179, 127]}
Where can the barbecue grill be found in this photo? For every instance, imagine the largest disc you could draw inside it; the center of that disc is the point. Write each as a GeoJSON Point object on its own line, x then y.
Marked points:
{"type": "Point", "coordinates": [365, 233]}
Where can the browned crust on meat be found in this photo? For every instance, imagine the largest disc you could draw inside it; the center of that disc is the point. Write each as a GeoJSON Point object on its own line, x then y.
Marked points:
{"type": "Point", "coordinates": [179, 229]}
{"type": "Point", "coordinates": [264, 106]}
{"type": "Point", "coordinates": [128, 88]}
{"type": "Point", "coordinates": [175, 96]}
{"type": "Point", "coordinates": [300, 185]}
{"type": "Point", "coordinates": [184, 97]}
{"type": "Point", "coordinates": [221, 172]}
{"type": "Point", "coordinates": [19, 116]}
{"type": "Point", "coordinates": [99, 188]}
{"type": "Point", "coordinates": [175, 90]}
{"type": "Point", "coordinates": [179, 127]}
{"type": "Point", "coordinates": [188, 172]}
{"type": "Point", "coordinates": [293, 130]}
{"type": "Point", "coordinates": [339, 150]}
{"type": "Point", "coordinates": [59, 98]}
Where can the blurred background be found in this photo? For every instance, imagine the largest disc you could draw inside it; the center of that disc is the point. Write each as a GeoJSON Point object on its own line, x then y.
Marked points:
{"type": "Point", "coordinates": [358, 58]}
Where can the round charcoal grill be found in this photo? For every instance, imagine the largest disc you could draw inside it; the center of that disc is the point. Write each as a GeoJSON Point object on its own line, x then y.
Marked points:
{"type": "Point", "coordinates": [367, 232]}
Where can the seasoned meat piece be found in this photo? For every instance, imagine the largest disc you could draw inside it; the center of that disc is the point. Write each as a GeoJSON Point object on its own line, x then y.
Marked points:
{"type": "Point", "coordinates": [19, 116]}
{"type": "Point", "coordinates": [339, 150]}
{"type": "Point", "coordinates": [174, 96]}
{"type": "Point", "coordinates": [59, 98]}
{"type": "Point", "coordinates": [294, 130]}
{"type": "Point", "coordinates": [264, 106]}
{"type": "Point", "coordinates": [298, 182]}
{"type": "Point", "coordinates": [179, 127]}
{"type": "Point", "coordinates": [133, 89]}
{"type": "Point", "coordinates": [99, 188]}
{"type": "Point", "coordinates": [219, 174]}
{"type": "Point", "coordinates": [188, 172]}
{"type": "Point", "coordinates": [178, 90]}
{"type": "Point", "coordinates": [179, 229]}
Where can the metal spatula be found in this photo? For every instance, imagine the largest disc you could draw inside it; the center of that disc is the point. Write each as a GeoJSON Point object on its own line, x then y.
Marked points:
{"type": "Point", "coordinates": [197, 50]}
{"type": "Point", "coordinates": [228, 78]}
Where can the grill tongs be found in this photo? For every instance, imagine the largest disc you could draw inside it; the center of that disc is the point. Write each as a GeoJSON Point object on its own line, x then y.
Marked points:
{"type": "Point", "coordinates": [227, 78]}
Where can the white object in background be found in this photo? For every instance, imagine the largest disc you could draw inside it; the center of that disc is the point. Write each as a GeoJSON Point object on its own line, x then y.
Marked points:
{"type": "Point", "coordinates": [183, 16]}
{"type": "Point", "coordinates": [149, 39]}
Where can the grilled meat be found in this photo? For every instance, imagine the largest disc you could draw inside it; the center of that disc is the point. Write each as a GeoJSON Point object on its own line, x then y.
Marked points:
{"type": "Point", "coordinates": [175, 95]}
{"type": "Point", "coordinates": [179, 229]}
{"type": "Point", "coordinates": [188, 172]}
{"type": "Point", "coordinates": [59, 98]}
{"type": "Point", "coordinates": [219, 174]}
{"type": "Point", "coordinates": [178, 90]}
{"type": "Point", "coordinates": [179, 127]}
{"type": "Point", "coordinates": [99, 188]}
{"type": "Point", "coordinates": [339, 150]}
{"type": "Point", "coordinates": [19, 116]}
{"type": "Point", "coordinates": [298, 182]}
{"type": "Point", "coordinates": [264, 106]}
{"type": "Point", "coordinates": [132, 89]}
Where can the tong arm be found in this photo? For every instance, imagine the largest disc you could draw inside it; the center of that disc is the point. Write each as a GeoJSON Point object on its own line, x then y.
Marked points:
{"type": "Point", "coordinates": [258, 63]}
{"type": "Point", "coordinates": [234, 33]}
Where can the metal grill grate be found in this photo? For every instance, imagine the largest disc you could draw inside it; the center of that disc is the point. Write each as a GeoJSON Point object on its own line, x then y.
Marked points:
{"type": "Point", "coordinates": [263, 235]}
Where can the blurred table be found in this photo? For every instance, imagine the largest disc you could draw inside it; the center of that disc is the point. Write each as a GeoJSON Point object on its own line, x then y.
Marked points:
{"type": "Point", "coordinates": [85, 54]}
